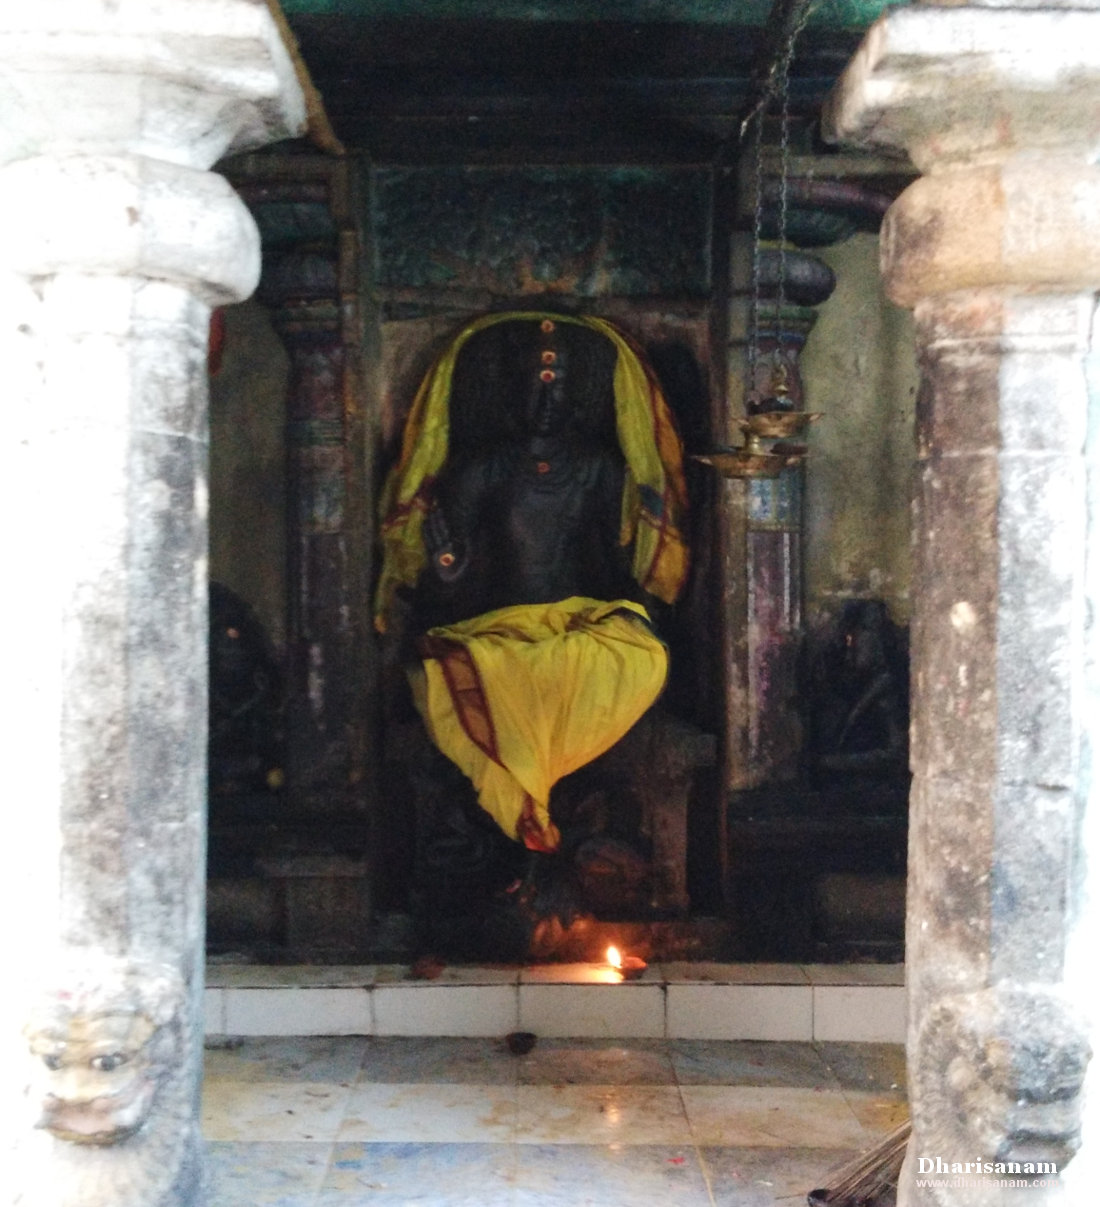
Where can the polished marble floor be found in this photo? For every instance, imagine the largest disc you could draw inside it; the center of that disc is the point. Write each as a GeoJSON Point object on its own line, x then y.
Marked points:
{"type": "Point", "coordinates": [337, 1121]}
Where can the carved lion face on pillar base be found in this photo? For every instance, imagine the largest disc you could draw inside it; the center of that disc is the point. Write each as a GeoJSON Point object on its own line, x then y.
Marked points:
{"type": "Point", "coordinates": [101, 1075]}
{"type": "Point", "coordinates": [110, 1082]}
{"type": "Point", "coordinates": [998, 1078]}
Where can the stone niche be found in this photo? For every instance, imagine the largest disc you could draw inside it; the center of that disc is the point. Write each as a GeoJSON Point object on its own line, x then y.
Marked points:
{"type": "Point", "coordinates": [632, 245]}
{"type": "Point", "coordinates": [638, 246]}
{"type": "Point", "coordinates": [293, 485]}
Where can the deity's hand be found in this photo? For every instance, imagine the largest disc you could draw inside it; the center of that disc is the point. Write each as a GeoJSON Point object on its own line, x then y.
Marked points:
{"type": "Point", "coordinates": [446, 556]}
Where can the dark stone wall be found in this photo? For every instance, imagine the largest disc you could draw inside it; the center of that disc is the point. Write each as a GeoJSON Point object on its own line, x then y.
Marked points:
{"type": "Point", "coordinates": [589, 232]}
{"type": "Point", "coordinates": [248, 465]}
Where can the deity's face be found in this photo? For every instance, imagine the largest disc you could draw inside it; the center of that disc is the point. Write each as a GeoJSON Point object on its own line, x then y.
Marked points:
{"type": "Point", "coordinates": [549, 404]}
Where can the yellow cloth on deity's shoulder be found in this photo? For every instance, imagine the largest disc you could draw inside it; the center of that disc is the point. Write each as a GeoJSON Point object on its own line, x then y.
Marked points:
{"type": "Point", "coordinates": [522, 696]}
{"type": "Point", "coordinates": [654, 502]}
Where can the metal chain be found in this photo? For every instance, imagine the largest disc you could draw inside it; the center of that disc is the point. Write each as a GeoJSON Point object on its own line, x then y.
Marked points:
{"type": "Point", "coordinates": [784, 168]}
{"type": "Point", "coordinates": [778, 83]}
{"type": "Point", "coordinates": [784, 90]}
{"type": "Point", "coordinates": [757, 239]}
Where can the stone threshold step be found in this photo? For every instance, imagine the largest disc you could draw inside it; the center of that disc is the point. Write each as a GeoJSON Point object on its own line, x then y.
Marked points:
{"type": "Point", "coordinates": [710, 1001]}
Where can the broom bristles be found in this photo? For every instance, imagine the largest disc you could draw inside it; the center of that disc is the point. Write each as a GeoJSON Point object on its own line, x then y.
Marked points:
{"type": "Point", "coordinates": [863, 1179]}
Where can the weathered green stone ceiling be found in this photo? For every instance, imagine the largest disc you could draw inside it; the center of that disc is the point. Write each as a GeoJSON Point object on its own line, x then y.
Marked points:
{"type": "Point", "coordinates": [560, 81]}
{"type": "Point", "coordinates": [827, 14]}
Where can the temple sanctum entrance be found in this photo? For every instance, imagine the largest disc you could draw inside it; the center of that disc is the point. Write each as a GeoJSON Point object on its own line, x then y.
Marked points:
{"type": "Point", "coordinates": [758, 809]}
{"type": "Point", "coordinates": [651, 504]}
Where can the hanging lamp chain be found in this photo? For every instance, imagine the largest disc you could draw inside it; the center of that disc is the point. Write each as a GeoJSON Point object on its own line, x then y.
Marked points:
{"type": "Point", "coordinates": [784, 86]}
{"type": "Point", "coordinates": [757, 240]}
{"type": "Point", "coordinates": [776, 85]}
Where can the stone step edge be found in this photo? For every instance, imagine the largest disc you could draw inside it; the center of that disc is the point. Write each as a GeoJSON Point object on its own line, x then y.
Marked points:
{"type": "Point", "coordinates": [785, 1003]}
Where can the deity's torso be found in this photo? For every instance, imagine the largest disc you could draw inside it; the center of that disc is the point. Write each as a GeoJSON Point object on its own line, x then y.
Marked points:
{"type": "Point", "coordinates": [541, 518]}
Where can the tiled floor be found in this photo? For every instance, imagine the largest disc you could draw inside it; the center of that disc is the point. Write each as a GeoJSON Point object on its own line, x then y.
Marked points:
{"type": "Point", "coordinates": [385, 1120]}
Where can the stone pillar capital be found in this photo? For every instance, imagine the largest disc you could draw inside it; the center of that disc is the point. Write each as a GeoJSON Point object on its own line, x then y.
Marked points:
{"type": "Point", "coordinates": [1000, 109]}
{"type": "Point", "coordinates": [151, 219]}
{"type": "Point", "coordinates": [1029, 224]}
{"type": "Point", "coordinates": [963, 85]}
{"type": "Point", "coordinates": [117, 108]}
{"type": "Point", "coordinates": [185, 83]}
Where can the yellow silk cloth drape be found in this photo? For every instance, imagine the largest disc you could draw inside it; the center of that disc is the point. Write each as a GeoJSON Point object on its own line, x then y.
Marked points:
{"type": "Point", "coordinates": [520, 697]}
{"type": "Point", "coordinates": [654, 495]}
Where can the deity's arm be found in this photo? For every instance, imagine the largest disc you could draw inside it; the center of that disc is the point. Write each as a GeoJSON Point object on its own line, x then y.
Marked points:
{"type": "Point", "coordinates": [450, 587]}
{"type": "Point", "coordinates": [451, 526]}
{"type": "Point", "coordinates": [614, 558]}
{"type": "Point", "coordinates": [448, 554]}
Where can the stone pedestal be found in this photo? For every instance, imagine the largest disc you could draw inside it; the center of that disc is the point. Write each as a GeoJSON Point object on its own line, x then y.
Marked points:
{"type": "Point", "coordinates": [116, 243]}
{"type": "Point", "coordinates": [998, 250]}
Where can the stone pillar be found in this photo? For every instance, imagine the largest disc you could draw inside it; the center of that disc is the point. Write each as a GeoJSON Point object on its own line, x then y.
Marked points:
{"type": "Point", "coordinates": [310, 286]}
{"type": "Point", "coordinates": [767, 729]}
{"type": "Point", "coordinates": [305, 208]}
{"type": "Point", "coordinates": [762, 527]}
{"type": "Point", "coordinates": [117, 240]}
{"type": "Point", "coordinates": [997, 248]}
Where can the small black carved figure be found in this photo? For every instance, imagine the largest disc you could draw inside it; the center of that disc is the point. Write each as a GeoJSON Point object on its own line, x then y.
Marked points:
{"type": "Point", "coordinates": [859, 697]}
{"type": "Point", "coordinates": [245, 729]}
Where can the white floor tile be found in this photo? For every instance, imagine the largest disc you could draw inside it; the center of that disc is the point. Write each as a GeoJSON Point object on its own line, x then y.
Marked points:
{"type": "Point", "coordinates": [771, 1117]}
{"type": "Point", "coordinates": [600, 1114]}
{"type": "Point", "coordinates": [704, 972]}
{"type": "Point", "coordinates": [577, 974]}
{"type": "Point", "coordinates": [680, 999]}
{"type": "Point", "coordinates": [740, 1012]}
{"type": "Point", "coordinates": [297, 1012]}
{"type": "Point", "coordinates": [213, 1007]}
{"type": "Point", "coordinates": [290, 976]}
{"type": "Point", "coordinates": [289, 1059]}
{"type": "Point", "coordinates": [257, 1110]}
{"type": "Point", "coordinates": [879, 1114]}
{"type": "Point", "coordinates": [430, 1114]}
{"type": "Point", "coordinates": [632, 1009]}
{"type": "Point", "coordinates": [865, 1013]}
{"type": "Point", "coordinates": [429, 1009]}
{"type": "Point", "coordinates": [855, 974]}
{"type": "Point", "coordinates": [459, 974]}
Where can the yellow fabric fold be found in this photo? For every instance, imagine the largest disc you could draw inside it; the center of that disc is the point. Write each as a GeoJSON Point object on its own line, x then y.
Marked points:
{"type": "Point", "coordinates": [654, 495]}
{"type": "Point", "coordinates": [522, 696]}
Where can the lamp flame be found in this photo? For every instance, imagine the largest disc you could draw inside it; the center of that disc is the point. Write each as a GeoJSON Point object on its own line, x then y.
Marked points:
{"type": "Point", "coordinates": [614, 957]}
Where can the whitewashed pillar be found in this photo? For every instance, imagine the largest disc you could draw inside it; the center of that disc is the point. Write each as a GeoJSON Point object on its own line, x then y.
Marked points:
{"type": "Point", "coordinates": [997, 249]}
{"type": "Point", "coordinates": [115, 241]}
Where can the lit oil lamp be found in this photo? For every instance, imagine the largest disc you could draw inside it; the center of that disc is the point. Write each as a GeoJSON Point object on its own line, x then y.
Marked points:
{"type": "Point", "coordinates": [628, 967]}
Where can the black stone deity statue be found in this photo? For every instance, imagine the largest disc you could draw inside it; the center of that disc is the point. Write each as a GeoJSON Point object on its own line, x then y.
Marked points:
{"type": "Point", "coordinates": [528, 506]}
{"type": "Point", "coordinates": [527, 510]}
